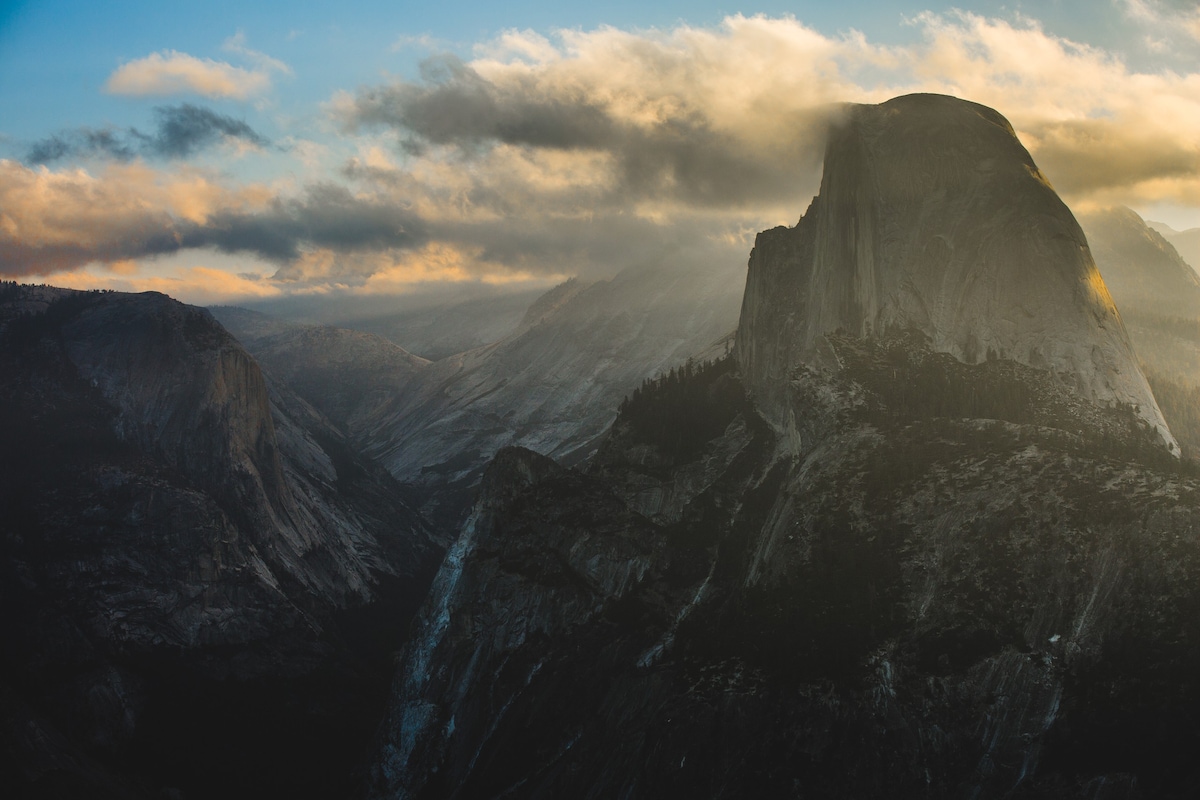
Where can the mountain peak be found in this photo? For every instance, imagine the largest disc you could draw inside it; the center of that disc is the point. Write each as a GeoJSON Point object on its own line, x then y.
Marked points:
{"type": "Point", "coordinates": [932, 216]}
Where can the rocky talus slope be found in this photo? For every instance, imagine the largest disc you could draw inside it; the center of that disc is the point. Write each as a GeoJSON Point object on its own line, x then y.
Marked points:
{"type": "Point", "coordinates": [189, 555]}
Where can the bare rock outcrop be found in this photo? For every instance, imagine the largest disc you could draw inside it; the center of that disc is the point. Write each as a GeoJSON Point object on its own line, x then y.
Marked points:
{"type": "Point", "coordinates": [932, 216]}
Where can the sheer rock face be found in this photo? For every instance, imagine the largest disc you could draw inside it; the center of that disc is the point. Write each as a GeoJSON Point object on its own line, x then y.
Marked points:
{"type": "Point", "coordinates": [932, 216]}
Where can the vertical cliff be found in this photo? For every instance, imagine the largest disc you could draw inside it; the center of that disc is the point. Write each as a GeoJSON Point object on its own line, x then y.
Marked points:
{"type": "Point", "coordinates": [932, 216]}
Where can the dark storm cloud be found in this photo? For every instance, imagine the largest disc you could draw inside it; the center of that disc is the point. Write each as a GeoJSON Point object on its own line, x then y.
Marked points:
{"type": "Point", "coordinates": [88, 141]}
{"type": "Point", "coordinates": [19, 258]}
{"type": "Point", "coordinates": [455, 105]}
{"type": "Point", "coordinates": [185, 129]}
{"type": "Point", "coordinates": [680, 157]}
{"type": "Point", "coordinates": [328, 216]}
{"type": "Point", "coordinates": [180, 131]}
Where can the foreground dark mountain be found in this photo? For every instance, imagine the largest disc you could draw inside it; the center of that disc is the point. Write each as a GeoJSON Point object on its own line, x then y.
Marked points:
{"type": "Point", "coordinates": [190, 557]}
{"type": "Point", "coordinates": [860, 560]}
{"type": "Point", "coordinates": [914, 605]}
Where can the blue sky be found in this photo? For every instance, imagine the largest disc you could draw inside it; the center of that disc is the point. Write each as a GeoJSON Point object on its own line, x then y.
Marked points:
{"type": "Point", "coordinates": [56, 54]}
{"type": "Point", "coordinates": [267, 148]}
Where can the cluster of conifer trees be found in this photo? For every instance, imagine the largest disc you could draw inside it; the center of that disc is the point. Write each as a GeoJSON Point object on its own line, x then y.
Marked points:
{"type": "Point", "coordinates": [681, 410]}
{"type": "Point", "coordinates": [927, 384]}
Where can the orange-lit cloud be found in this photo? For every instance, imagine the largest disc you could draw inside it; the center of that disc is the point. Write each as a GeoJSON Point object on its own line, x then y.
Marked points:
{"type": "Point", "coordinates": [197, 285]}
{"type": "Point", "coordinates": [584, 152]}
{"type": "Point", "coordinates": [52, 221]}
{"type": "Point", "coordinates": [171, 72]}
{"type": "Point", "coordinates": [733, 116]}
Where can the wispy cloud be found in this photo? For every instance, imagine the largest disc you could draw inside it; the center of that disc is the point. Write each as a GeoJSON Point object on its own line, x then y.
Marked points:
{"type": "Point", "coordinates": [237, 44]}
{"type": "Point", "coordinates": [180, 131]}
{"type": "Point", "coordinates": [1169, 19]}
{"type": "Point", "coordinates": [196, 284]}
{"type": "Point", "coordinates": [171, 72]}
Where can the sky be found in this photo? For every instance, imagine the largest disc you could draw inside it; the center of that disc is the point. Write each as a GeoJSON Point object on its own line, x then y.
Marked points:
{"type": "Point", "coordinates": [234, 151]}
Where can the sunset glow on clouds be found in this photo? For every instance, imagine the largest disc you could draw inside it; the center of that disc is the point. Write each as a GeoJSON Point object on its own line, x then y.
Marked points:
{"type": "Point", "coordinates": [559, 152]}
{"type": "Point", "coordinates": [170, 73]}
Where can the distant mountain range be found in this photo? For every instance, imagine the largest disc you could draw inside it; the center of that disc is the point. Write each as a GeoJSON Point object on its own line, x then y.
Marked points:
{"type": "Point", "coordinates": [1186, 242]}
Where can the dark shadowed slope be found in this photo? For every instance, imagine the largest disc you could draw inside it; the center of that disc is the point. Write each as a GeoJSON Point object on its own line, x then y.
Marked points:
{"type": "Point", "coordinates": [189, 554]}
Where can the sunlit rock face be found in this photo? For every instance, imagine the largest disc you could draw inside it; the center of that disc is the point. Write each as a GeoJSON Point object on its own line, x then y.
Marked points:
{"type": "Point", "coordinates": [932, 216]}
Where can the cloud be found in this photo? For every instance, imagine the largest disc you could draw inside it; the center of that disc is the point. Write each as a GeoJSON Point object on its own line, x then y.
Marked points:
{"type": "Point", "coordinates": [584, 152]}
{"type": "Point", "coordinates": [57, 221]}
{"type": "Point", "coordinates": [1179, 15]}
{"type": "Point", "coordinates": [180, 131]}
{"type": "Point", "coordinates": [198, 285]}
{"type": "Point", "coordinates": [688, 115]}
{"type": "Point", "coordinates": [184, 129]}
{"type": "Point", "coordinates": [85, 141]}
{"type": "Point", "coordinates": [171, 72]}
{"type": "Point", "coordinates": [325, 216]}
{"type": "Point", "coordinates": [734, 117]}
{"type": "Point", "coordinates": [237, 44]}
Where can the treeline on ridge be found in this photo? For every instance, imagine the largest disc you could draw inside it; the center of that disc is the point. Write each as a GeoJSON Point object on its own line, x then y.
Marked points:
{"type": "Point", "coordinates": [681, 410]}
